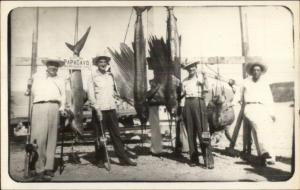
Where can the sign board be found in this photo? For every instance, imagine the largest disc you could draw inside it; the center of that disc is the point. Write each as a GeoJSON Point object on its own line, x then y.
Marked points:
{"type": "Point", "coordinates": [70, 63]}
{"type": "Point", "coordinates": [218, 60]}
{"type": "Point", "coordinates": [77, 63]}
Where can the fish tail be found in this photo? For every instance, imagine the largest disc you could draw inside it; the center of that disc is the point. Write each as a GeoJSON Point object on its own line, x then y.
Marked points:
{"type": "Point", "coordinates": [71, 47]}
{"type": "Point", "coordinates": [140, 10]}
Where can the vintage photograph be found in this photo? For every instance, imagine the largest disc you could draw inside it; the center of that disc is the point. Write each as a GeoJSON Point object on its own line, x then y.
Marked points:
{"type": "Point", "coordinates": [151, 94]}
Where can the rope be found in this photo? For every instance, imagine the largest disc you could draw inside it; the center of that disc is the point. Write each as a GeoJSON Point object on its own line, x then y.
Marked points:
{"type": "Point", "coordinates": [128, 26]}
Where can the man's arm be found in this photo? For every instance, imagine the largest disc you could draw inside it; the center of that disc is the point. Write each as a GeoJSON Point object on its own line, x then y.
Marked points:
{"type": "Point", "coordinates": [92, 97]}
{"type": "Point", "coordinates": [63, 95]}
{"type": "Point", "coordinates": [91, 91]}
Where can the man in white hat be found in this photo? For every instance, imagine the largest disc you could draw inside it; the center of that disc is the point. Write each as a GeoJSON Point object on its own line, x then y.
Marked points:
{"type": "Point", "coordinates": [195, 115]}
{"type": "Point", "coordinates": [101, 92]}
{"type": "Point", "coordinates": [48, 93]}
{"type": "Point", "coordinates": [258, 107]}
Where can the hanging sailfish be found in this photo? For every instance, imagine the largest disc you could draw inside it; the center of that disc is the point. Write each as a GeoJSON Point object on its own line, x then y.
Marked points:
{"type": "Point", "coordinates": [124, 73]}
{"type": "Point", "coordinates": [78, 94]}
{"type": "Point", "coordinates": [140, 72]}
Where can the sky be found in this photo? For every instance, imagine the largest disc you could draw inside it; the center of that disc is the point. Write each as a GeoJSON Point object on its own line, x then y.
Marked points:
{"type": "Point", "coordinates": [206, 31]}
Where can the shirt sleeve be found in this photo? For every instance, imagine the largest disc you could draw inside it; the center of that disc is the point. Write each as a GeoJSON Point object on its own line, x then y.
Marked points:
{"type": "Point", "coordinates": [183, 89]}
{"type": "Point", "coordinates": [63, 94]}
{"type": "Point", "coordinates": [268, 99]}
{"type": "Point", "coordinates": [205, 83]}
{"type": "Point", "coordinates": [91, 91]}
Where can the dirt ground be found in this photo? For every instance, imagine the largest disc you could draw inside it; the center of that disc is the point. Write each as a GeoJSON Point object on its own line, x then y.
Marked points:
{"type": "Point", "coordinates": [151, 168]}
{"type": "Point", "coordinates": [168, 167]}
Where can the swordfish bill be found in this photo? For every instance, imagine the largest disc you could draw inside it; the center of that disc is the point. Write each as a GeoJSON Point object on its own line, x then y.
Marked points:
{"type": "Point", "coordinates": [140, 72]}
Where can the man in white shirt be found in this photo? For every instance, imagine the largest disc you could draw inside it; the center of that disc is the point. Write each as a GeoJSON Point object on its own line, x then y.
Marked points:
{"type": "Point", "coordinates": [48, 93]}
{"type": "Point", "coordinates": [101, 92]}
{"type": "Point", "coordinates": [258, 108]}
{"type": "Point", "coordinates": [195, 116]}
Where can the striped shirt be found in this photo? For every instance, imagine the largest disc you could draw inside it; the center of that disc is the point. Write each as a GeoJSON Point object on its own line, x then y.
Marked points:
{"type": "Point", "coordinates": [193, 87]}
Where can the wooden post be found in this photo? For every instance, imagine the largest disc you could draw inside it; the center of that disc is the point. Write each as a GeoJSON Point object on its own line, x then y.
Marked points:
{"type": "Point", "coordinates": [246, 128]}
{"type": "Point", "coordinates": [247, 141]}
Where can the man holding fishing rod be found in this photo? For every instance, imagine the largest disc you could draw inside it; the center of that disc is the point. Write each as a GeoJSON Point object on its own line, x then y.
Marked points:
{"type": "Point", "coordinates": [195, 116]}
{"type": "Point", "coordinates": [102, 92]}
{"type": "Point", "coordinates": [49, 99]}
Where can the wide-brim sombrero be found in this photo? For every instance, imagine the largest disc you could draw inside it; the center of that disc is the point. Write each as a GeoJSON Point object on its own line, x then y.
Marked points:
{"type": "Point", "coordinates": [57, 62]}
{"type": "Point", "coordinates": [189, 64]}
{"type": "Point", "coordinates": [102, 57]}
{"type": "Point", "coordinates": [255, 61]}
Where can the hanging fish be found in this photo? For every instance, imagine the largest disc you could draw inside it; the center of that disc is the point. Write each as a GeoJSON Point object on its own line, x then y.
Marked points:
{"type": "Point", "coordinates": [173, 44]}
{"type": "Point", "coordinates": [77, 93]}
{"type": "Point", "coordinates": [173, 41]}
{"type": "Point", "coordinates": [140, 72]}
{"type": "Point", "coordinates": [124, 72]}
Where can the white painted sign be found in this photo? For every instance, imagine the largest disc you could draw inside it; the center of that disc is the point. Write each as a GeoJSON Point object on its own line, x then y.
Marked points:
{"type": "Point", "coordinates": [77, 63]}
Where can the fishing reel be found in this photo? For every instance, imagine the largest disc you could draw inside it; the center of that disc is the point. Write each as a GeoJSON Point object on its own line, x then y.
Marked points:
{"type": "Point", "coordinates": [205, 136]}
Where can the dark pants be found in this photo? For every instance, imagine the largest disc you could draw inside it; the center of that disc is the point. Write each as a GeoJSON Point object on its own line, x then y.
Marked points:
{"type": "Point", "coordinates": [195, 119]}
{"type": "Point", "coordinates": [110, 122]}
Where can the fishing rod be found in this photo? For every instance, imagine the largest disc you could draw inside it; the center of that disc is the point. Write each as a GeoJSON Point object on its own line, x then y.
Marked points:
{"type": "Point", "coordinates": [206, 135]}
{"type": "Point", "coordinates": [31, 155]}
{"type": "Point", "coordinates": [99, 139]}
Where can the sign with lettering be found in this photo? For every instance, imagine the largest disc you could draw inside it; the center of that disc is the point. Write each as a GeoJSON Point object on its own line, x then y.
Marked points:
{"type": "Point", "coordinates": [77, 63]}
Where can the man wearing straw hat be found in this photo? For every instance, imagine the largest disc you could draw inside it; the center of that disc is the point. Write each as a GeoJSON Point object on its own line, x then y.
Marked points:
{"type": "Point", "coordinates": [195, 117]}
{"type": "Point", "coordinates": [102, 91]}
{"type": "Point", "coordinates": [48, 93]}
{"type": "Point", "coordinates": [258, 108]}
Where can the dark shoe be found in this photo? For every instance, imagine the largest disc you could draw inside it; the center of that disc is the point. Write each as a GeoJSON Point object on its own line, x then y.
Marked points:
{"type": "Point", "coordinates": [49, 173]}
{"type": "Point", "coordinates": [266, 155]}
{"type": "Point", "coordinates": [270, 161]}
{"type": "Point", "coordinates": [40, 177]}
{"type": "Point", "coordinates": [100, 164]}
{"type": "Point", "coordinates": [131, 155]}
{"type": "Point", "coordinates": [264, 158]}
{"type": "Point", "coordinates": [194, 164]}
{"type": "Point", "coordinates": [156, 154]}
{"type": "Point", "coordinates": [128, 162]}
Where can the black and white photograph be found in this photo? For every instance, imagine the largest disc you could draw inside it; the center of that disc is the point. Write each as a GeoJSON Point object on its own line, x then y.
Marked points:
{"type": "Point", "coordinates": [150, 92]}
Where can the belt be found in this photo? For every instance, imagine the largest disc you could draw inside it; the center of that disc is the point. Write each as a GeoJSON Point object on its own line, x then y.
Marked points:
{"type": "Point", "coordinates": [253, 103]}
{"type": "Point", "coordinates": [192, 98]}
{"type": "Point", "coordinates": [50, 101]}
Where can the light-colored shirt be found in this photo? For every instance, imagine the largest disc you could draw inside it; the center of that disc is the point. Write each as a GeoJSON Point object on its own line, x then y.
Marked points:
{"type": "Point", "coordinates": [46, 88]}
{"type": "Point", "coordinates": [101, 91]}
{"type": "Point", "coordinates": [193, 87]}
{"type": "Point", "coordinates": [258, 92]}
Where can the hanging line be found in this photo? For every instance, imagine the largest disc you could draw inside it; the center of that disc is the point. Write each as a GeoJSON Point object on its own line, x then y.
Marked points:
{"type": "Point", "coordinates": [128, 25]}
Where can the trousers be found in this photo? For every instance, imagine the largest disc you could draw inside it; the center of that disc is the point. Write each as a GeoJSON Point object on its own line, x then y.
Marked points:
{"type": "Point", "coordinates": [156, 137]}
{"type": "Point", "coordinates": [195, 119]}
{"type": "Point", "coordinates": [44, 124]}
{"type": "Point", "coordinates": [261, 123]}
{"type": "Point", "coordinates": [110, 122]}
